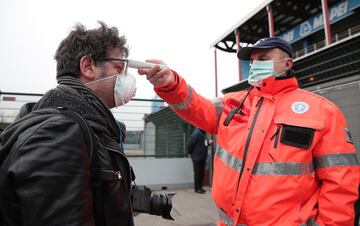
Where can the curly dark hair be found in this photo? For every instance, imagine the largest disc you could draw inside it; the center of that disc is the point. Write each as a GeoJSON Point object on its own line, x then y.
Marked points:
{"type": "Point", "coordinates": [95, 43]}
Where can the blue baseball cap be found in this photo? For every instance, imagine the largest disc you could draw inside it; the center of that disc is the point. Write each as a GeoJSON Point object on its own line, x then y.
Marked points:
{"type": "Point", "coordinates": [266, 43]}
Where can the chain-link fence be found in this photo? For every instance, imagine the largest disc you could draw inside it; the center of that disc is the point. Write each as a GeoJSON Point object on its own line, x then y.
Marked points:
{"type": "Point", "coordinates": [152, 129]}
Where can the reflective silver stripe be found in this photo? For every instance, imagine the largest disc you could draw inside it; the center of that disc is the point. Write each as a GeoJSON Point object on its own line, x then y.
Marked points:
{"type": "Point", "coordinates": [185, 103]}
{"type": "Point", "coordinates": [283, 168]}
{"type": "Point", "coordinates": [227, 220]}
{"type": "Point", "coordinates": [219, 107]}
{"type": "Point", "coordinates": [333, 160]}
{"type": "Point", "coordinates": [230, 222]}
{"type": "Point", "coordinates": [229, 160]}
{"type": "Point", "coordinates": [267, 168]}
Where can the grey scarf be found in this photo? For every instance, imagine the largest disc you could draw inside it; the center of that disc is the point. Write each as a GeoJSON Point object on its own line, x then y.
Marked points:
{"type": "Point", "coordinates": [75, 96]}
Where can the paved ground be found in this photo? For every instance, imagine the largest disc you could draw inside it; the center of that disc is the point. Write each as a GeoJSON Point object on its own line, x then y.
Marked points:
{"type": "Point", "coordinates": [189, 209]}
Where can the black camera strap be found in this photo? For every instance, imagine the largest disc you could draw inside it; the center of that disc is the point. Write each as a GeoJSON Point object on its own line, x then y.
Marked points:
{"type": "Point", "coordinates": [85, 129]}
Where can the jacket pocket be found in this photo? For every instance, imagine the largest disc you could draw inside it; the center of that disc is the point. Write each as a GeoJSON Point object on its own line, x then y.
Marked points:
{"type": "Point", "coordinates": [111, 186]}
{"type": "Point", "coordinates": [292, 135]}
{"type": "Point", "coordinates": [298, 132]}
{"type": "Point", "coordinates": [297, 136]}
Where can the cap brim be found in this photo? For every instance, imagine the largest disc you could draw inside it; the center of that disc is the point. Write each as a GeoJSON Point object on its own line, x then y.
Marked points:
{"type": "Point", "coordinates": [244, 53]}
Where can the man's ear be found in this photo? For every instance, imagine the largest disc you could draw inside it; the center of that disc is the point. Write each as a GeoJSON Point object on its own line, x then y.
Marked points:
{"type": "Point", "coordinates": [87, 67]}
{"type": "Point", "coordinates": [289, 63]}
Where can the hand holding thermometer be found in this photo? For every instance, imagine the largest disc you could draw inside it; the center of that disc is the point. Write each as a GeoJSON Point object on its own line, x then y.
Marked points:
{"type": "Point", "coordinates": [140, 64]}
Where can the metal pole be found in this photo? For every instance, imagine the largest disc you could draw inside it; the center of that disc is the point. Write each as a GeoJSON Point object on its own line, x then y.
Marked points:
{"type": "Point", "coordinates": [327, 28]}
{"type": "Point", "coordinates": [270, 20]}
{"type": "Point", "coordinates": [40, 95]}
{"type": "Point", "coordinates": [237, 36]}
{"type": "Point", "coordinates": [144, 134]}
{"type": "Point", "coordinates": [211, 163]}
{"type": "Point", "coordinates": [211, 167]}
{"type": "Point", "coordinates": [216, 73]}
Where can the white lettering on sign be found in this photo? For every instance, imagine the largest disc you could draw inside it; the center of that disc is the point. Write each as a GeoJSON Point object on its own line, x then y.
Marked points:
{"type": "Point", "coordinates": [305, 28]}
{"type": "Point", "coordinates": [288, 36]}
{"type": "Point", "coordinates": [318, 21]}
{"type": "Point", "coordinates": [338, 11]}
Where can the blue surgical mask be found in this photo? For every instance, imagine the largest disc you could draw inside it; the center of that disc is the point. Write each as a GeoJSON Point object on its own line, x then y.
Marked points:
{"type": "Point", "coordinates": [262, 69]}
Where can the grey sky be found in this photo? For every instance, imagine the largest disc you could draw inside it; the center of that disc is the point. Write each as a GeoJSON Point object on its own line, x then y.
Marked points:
{"type": "Point", "coordinates": [178, 32]}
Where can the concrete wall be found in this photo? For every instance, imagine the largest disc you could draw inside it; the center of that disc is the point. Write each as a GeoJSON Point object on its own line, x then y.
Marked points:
{"type": "Point", "coordinates": [344, 93]}
{"type": "Point", "coordinates": [158, 173]}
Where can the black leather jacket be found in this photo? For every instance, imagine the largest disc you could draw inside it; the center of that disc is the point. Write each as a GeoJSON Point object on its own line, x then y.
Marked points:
{"type": "Point", "coordinates": [47, 179]}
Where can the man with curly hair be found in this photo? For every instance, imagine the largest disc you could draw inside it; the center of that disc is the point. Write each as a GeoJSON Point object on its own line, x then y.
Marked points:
{"type": "Point", "coordinates": [48, 177]}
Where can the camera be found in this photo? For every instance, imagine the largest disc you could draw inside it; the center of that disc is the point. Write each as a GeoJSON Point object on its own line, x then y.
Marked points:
{"type": "Point", "coordinates": [145, 201]}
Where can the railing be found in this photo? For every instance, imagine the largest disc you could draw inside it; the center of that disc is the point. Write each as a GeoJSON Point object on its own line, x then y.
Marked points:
{"type": "Point", "coordinates": [140, 138]}
{"type": "Point", "coordinates": [321, 44]}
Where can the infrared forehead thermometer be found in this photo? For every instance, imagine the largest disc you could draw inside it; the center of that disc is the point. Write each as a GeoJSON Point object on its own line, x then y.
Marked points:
{"type": "Point", "coordinates": [140, 64]}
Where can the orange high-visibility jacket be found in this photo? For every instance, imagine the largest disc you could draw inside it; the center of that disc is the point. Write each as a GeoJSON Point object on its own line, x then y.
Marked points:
{"type": "Point", "coordinates": [286, 159]}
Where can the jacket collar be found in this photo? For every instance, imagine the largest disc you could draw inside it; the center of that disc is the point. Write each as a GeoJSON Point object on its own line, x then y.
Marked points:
{"type": "Point", "coordinates": [272, 86]}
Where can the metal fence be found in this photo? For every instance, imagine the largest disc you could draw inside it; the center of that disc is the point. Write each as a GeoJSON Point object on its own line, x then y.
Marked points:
{"type": "Point", "coordinates": [142, 137]}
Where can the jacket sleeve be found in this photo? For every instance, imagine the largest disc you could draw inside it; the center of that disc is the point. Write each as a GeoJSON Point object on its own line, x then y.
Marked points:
{"type": "Point", "coordinates": [337, 169]}
{"type": "Point", "coordinates": [192, 107]}
{"type": "Point", "coordinates": [52, 172]}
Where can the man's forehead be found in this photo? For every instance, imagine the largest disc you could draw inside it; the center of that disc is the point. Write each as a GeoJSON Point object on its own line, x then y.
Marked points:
{"type": "Point", "coordinates": [116, 53]}
{"type": "Point", "coordinates": [263, 52]}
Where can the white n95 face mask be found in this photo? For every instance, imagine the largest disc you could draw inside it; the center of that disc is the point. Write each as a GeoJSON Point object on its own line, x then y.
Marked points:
{"type": "Point", "coordinates": [124, 89]}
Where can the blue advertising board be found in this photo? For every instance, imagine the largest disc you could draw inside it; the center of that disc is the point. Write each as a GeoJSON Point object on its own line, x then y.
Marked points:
{"type": "Point", "coordinates": [337, 12]}
{"type": "Point", "coordinates": [245, 67]}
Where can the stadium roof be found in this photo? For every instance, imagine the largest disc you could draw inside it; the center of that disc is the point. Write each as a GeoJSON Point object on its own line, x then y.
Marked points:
{"type": "Point", "coordinates": [254, 26]}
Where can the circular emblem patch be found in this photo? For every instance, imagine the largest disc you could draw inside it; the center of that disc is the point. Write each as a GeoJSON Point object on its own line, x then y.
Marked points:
{"type": "Point", "coordinates": [299, 107]}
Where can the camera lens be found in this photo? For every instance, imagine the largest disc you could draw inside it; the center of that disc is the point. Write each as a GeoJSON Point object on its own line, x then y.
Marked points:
{"type": "Point", "coordinates": [145, 201]}
{"type": "Point", "coordinates": [161, 205]}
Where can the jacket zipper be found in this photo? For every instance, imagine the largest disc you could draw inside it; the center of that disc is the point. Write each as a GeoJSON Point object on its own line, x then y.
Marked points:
{"type": "Point", "coordinates": [259, 104]}
{"type": "Point", "coordinates": [118, 173]}
{"type": "Point", "coordinates": [115, 175]}
{"type": "Point", "coordinates": [276, 136]}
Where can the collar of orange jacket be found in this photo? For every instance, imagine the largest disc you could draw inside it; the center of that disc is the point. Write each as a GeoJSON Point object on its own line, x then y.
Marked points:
{"type": "Point", "coordinates": [274, 86]}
